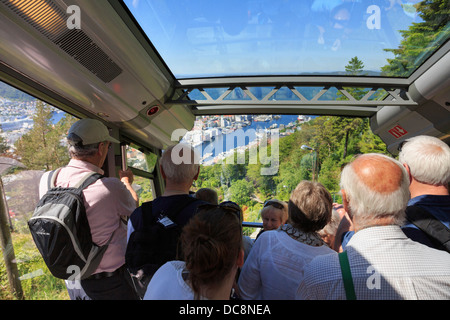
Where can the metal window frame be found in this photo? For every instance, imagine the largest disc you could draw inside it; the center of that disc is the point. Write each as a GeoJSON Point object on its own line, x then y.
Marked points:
{"type": "Point", "coordinates": [396, 95]}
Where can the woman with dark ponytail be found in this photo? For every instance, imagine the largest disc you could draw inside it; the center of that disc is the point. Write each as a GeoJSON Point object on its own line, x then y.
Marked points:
{"type": "Point", "coordinates": [212, 248]}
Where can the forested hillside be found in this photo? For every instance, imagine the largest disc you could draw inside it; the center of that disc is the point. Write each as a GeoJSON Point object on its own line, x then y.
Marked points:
{"type": "Point", "coordinates": [333, 141]}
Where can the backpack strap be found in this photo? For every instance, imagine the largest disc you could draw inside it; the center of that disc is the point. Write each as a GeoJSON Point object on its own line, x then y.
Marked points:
{"type": "Point", "coordinates": [430, 225]}
{"type": "Point", "coordinates": [347, 276]}
{"type": "Point", "coordinates": [52, 178]}
{"type": "Point", "coordinates": [147, 212]}
{"type": "Point", "coordinates": [87, 179]}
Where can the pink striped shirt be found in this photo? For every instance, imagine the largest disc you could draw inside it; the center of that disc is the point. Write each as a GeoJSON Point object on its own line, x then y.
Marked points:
{"type": "Point", "coordinates": [106, 200]}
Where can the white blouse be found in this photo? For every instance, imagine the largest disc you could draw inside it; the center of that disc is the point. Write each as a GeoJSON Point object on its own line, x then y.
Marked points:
{"type": "Point", "coordinates": [274, 267]}
{"type": "Point", "coordinates": [168, 283]}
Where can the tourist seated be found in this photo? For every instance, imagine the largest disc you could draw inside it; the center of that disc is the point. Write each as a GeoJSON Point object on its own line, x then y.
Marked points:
{"type": "Point", "coordinates": [208, 195]}
{"type": "Point", "coordinates": [275, 265]}
{"type": "Point", "coordinates": [274, 214]}
{"type": "Point", "coordinates": [212, 246]}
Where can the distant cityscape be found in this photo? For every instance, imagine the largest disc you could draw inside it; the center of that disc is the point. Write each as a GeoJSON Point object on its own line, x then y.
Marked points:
{"type": "Point", "coordinates": [207, 128]}
{"type": "Point", "coordinates": [209, 134]}
{"type": "Point", "coordinates": [16, 118]}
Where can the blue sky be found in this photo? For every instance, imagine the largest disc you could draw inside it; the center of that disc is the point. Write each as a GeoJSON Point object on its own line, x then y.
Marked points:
{"type": "Point", "coordinates": [203, 38]}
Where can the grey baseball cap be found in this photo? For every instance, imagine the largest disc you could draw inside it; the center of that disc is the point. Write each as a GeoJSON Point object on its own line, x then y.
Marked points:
{"type": "Point", "coordinates": [91, 131]}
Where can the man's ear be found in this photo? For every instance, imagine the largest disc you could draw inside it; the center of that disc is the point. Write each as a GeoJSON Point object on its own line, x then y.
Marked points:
{"type": "Point", "coordinates": [102, 150]}
{"type": "Point", "coordinates": [408, 170]}
{"type": "Point", "coordinates": [344, 200]}
{"type": "Point", "coordinates": [198, 172]}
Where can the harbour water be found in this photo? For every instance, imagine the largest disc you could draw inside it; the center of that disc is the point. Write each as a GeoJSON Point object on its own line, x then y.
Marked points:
{"type": "Point", "coordinates": [17, 123]}
{"type": "Point", "coordinates": [223, 144]}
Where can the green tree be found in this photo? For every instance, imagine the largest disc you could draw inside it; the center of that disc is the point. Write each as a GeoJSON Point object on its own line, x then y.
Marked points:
{"type": "Point", "coordinates": [355, 67]}
{"type": "Point", "coordinates": [370, 142]}
{"type": "Point", "coordinates": [241, 192]}
{"type": "Point", "coordinates": [421, 39]}
{"type": "Point", "coordinates": [336, 140]}
{"type": "Point", "coordinates": [3, 145]}
{"type": "Point", "coordinates": [41, 147]}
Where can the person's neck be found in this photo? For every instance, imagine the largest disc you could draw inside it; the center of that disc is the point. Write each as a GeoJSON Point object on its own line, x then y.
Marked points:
{"type": "Point", "coordinates": [373, 223]}
{"type": "Point", "coordinates": [221, 291]}
{"type": "Point", "coordinates": [168, 193]}
{"type": "Point", "coordinates": [175, 189]}
{"type": "Point", "coordinates": [92, 160]}
{"type": "Point", "coordinates": [417, 188]}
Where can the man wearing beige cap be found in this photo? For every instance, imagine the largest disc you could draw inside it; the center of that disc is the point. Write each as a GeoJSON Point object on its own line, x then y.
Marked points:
{"type": "Point", "coordinates": [107, 200]}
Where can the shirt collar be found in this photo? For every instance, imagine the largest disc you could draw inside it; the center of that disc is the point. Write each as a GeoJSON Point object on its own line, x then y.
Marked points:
{"type": "Point", "coordinates": [376, 234]}
{"type": "Point", "coordinates": [430, 199]}
{"type": "Point", "coordinates": [84, 165]}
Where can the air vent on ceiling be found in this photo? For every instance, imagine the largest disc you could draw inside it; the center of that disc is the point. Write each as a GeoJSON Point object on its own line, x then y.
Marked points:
{"type": "Point", "coordinates": [50, 20]}
{"type": "Point", "coordinates": [78, 44]}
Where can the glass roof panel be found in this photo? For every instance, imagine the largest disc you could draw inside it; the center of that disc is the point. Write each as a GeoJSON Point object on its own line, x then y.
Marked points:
{"type": "Point", "coordinates": [203, 38]}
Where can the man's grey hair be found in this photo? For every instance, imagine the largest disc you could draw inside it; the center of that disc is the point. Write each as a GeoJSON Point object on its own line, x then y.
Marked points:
{"type": "Point", "coordinates": [428, 159]}
{"type": "Point", "coordinates": [78, 150]}
{"type": "Point", "coordinates": [368, 205]}
{"type": "Point", "coordinates": [180, 163]}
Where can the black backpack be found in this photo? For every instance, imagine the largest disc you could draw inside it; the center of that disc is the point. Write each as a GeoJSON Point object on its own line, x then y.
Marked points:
{"type": "Point", "coordinates": [156, 243]}
{"type": "Point", "coordinates": [61, 231]}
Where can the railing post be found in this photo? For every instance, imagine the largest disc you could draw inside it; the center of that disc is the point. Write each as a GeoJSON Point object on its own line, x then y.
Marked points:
{"type": "Point", "coordinates": [8, 249]}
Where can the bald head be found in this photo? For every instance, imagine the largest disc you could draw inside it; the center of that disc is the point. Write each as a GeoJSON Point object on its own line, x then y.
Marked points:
{"type": "Point", "coordinates": [379, 174]}
{"type": "Point", "coordinates": [376, 188]}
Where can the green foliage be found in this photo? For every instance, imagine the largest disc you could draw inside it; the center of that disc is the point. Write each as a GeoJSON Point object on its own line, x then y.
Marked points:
{"type": "Point", "coordinates": [37, 281]}
{"type": "Point", "coordinates": [354, 67]}
{"type": "Point", "coordinates": [421, 39]}
{"type": "Point", "coordinates": [41, 147]}
{"type": "Point", "coordinates": [145, 191]}
{"type": "Point", "coordinates": [335, 140]}
{"type": "Point", "coordinates": [3, 145]}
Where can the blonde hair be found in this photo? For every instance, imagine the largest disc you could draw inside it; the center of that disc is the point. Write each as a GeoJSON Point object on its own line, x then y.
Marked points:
{"type": "Point", "coordinates": [284, 215]}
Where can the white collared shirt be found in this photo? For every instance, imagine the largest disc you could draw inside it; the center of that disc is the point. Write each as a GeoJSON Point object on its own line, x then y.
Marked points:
{"type": "Point", "coordinates": [274, 267]}
{"type": "Point", "coordinates": [385, 264]}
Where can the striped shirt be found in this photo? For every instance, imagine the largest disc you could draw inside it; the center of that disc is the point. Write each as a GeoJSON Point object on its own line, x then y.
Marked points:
{"type": "Point", "coordinates": [385, 264]}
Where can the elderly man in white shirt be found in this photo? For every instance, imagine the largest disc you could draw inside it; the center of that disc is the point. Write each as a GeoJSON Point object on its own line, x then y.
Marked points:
{"type": "Point", "coordinates": [383, 262]}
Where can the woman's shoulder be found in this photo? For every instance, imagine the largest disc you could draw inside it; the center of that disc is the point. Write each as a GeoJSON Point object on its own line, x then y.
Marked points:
{"type": "Point", "coordinates": [167, 283]}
